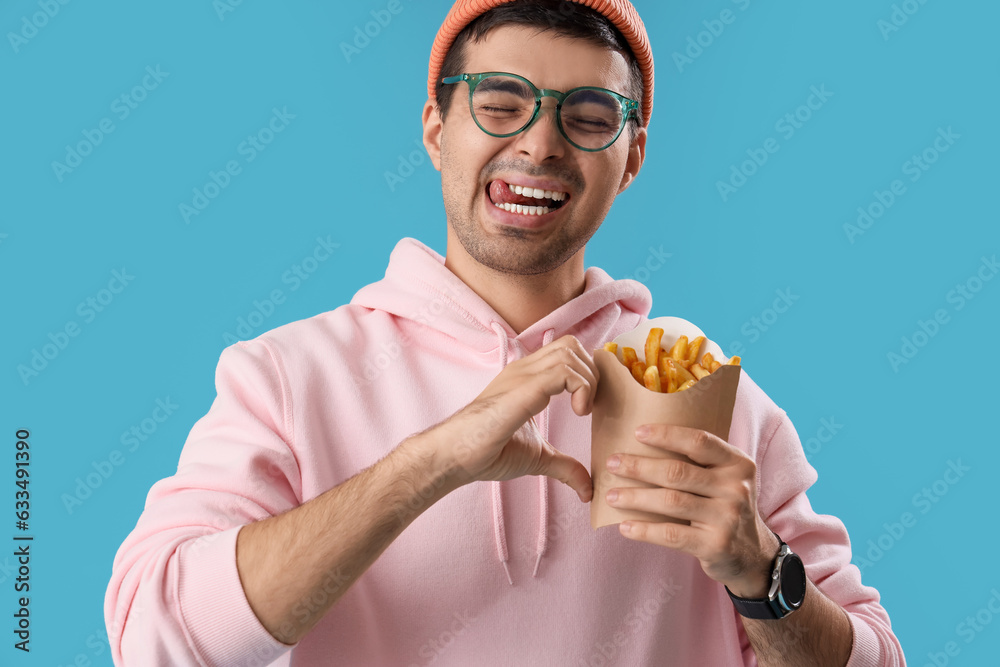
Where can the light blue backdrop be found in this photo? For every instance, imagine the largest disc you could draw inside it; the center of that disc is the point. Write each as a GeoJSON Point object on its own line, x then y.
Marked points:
{"type": "Point", "coordinates": [142, 102]}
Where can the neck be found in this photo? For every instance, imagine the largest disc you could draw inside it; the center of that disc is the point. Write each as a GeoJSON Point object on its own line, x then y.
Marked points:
{"type": "Point", "coordinates": [519, 300]}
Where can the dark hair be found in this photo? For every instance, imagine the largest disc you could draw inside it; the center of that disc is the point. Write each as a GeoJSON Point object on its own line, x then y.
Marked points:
{"type": "Point", "coordinates": [567, 19]}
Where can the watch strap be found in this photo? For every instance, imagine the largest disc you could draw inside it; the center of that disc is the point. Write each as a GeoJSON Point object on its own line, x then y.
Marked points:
{"type": "Point", "coordinates": [761, 609]}
{"type": "Point", "coordinates": [765, 608]}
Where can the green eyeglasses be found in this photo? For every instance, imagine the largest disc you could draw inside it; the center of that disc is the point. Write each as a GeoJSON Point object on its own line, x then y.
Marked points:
{"type": "Point", "coordinates": [505, 104]}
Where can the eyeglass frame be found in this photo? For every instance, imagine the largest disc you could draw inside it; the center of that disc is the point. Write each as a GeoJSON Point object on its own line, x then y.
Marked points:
{"type": "Point", "coordinates": [629, 106]}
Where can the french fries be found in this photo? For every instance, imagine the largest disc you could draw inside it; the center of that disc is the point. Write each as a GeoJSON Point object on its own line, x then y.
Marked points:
{"type": "Point", "coordinates": [653, 347]}
{"type": "Point", "coordinates": [669, 371]}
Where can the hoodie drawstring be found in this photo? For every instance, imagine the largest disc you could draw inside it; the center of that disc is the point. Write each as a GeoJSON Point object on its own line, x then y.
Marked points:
{"type": "Point", "coordinates": [496, 497]}
{"type": "Point", "coordinates": [499, 526]}
{"type": "Point", "coordinates": [543, 481]}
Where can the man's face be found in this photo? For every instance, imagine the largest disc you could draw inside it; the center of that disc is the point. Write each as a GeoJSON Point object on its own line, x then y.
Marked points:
{"type": "Point", "coordinates": [475, 166]}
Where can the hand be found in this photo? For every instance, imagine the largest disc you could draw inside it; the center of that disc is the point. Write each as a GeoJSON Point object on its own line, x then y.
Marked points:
{"type": "Point", "coordinates": [495, 437]}
{"type": "Point", "coordinates": [717, 494]}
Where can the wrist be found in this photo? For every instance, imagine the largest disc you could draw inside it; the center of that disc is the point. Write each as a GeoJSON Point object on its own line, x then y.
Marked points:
{"type": "Point", "coordinates": [434, 474]}
{"type": "Point", "coordinates": [755, 582]}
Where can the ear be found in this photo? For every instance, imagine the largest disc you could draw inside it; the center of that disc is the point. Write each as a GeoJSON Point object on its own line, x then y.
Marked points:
{"type": "Point", "coordinates": [432, 132]}
{"type": "Point", "coordinates": [636, 156]}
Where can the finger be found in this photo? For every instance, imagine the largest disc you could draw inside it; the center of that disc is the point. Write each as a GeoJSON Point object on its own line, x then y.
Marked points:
{"type": "Point", "coordinates": [673, 535]}
{"type": "Point", "coordinates": [562, 377]}
{"type": "Point", "coordinates": [668, 502]}
{"type": "Point", "coordinates": [565, 372]}
{"type": "Point", "coordinates": [700, 446]}
{"type": "Point", "coordinates": [569, 471]}
{"type": "Point", "coordinates": [569, 351]}
{"type": "Point", "coordinates": [586, 356]}
{"type": "Point", "coordinates": [667, 473]}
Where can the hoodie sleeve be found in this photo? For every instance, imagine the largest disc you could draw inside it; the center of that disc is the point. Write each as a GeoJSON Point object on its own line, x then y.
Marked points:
{"type": "Point", "coordinates": [824, 546]}
{"type": "Point", "coordinates": [175, 596]}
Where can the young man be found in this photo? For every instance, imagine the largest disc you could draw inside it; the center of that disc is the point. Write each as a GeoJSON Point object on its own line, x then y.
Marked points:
{"type": "Point", "coordinates": [327, 510]}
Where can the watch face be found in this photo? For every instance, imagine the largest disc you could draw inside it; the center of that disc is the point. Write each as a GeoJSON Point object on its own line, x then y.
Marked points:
{"type": "Point", "coordinates": [793, 581]}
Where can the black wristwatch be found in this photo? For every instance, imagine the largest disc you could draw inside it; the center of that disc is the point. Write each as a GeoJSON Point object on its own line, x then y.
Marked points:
{"type": "Point", "coordinates": [788, 589]}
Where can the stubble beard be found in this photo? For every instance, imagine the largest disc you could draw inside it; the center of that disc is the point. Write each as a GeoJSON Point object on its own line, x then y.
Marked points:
{"type": "Point", "coordinates": [512, 251]}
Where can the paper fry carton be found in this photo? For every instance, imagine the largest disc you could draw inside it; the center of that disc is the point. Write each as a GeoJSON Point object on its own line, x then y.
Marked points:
{"type": "Point", "coordinates": [622, 404]}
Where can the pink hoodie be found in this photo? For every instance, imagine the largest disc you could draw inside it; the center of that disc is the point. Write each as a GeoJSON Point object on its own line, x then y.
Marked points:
{"type": "Point", "coordinates": [495, 573]}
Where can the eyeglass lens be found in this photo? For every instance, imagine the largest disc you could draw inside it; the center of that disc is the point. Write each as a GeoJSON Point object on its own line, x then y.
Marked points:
{"type": "Point", "coordinates": [503, 105]}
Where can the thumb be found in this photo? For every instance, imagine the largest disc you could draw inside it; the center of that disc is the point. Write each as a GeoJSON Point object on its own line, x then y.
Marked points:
{"type": "Point", "coordinates": [570, 472]}
{"type": "Point", "coordinates": [557, 465]}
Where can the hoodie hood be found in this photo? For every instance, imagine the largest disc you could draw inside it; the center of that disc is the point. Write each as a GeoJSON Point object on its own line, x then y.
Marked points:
{"type": "Point", "coordinates": [417, 286]}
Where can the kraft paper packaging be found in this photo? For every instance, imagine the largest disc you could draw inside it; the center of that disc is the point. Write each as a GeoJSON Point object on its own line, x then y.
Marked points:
{"type": "Point", "coordinates": [622, 404]}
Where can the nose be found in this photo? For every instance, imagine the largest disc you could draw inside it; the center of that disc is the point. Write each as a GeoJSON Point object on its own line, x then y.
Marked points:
{"type": "Point", "coordinates": [542, 140]}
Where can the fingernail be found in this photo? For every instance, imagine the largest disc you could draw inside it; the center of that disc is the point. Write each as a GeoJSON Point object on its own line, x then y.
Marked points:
{"type": "Point", "coordinates": [626, 527]}
{"type": "Point", "coordinates": [614, 462]}
{"type": "Point", "coordinates": [642, 431]}
{"type": "Point", "coordinates": [612, 495]}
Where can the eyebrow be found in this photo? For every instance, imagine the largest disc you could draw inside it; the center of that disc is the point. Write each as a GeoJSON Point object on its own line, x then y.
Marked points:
{"type": "Point", "coordinates": [505, 85]}
{"type": "Point", "coordinates": [594, 96]}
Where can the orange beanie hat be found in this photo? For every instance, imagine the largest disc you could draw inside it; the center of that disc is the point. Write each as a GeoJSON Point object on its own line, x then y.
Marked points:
{"type": "Point", "coordinates": [620, 12]}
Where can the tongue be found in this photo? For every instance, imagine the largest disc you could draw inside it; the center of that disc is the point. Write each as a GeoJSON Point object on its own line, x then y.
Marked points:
{"type": "Point", "coordinates": [500, 193]}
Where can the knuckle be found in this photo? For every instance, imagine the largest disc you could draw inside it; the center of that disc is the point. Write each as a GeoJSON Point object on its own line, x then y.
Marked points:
{"type": "Point", "coordinates": [669, 534]}
{"type": "Point", "coordinates": [674, 498]}
{"type": "Point", "coordinates": [675, 470]}
{"type": "Point", "coordinates": [701, 439]}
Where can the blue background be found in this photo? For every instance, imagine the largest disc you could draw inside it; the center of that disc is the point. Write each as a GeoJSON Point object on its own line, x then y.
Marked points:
{"type": "Point", "coordinates": [325, 175]}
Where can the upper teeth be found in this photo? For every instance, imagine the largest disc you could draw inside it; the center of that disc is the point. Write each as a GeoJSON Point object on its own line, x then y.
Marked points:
{"type": "Point", "coordinates": [535, 193]}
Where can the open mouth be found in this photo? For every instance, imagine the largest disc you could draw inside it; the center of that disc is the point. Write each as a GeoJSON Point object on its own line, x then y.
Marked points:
{"type": "Point", "coordinates": [525, 200]}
